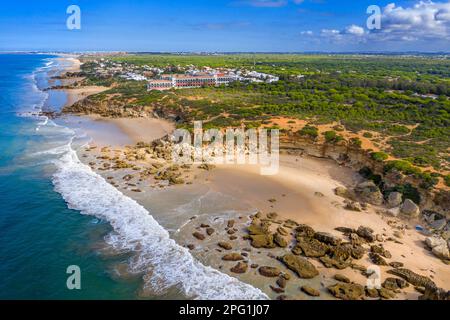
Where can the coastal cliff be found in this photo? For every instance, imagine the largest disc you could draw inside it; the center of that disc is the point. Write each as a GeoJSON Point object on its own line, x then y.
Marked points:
{"type": "Point", "coordinates": [360, 160]}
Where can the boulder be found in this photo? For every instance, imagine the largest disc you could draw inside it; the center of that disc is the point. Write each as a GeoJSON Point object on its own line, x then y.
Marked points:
{"type": "Point", "coordinates": [438, 224]}
{"type": "Point", "coordinates": [198, 235]}
{"type": "Point", "coordinates": [353, 206]}
{"type": "Point", "coordinates": [230, 223]}
{"type": "Point", "coordinates": [233, 257]}
{"type": "Point", "coordinates": [339, 257]}
{"type": "Point", "coordinates": [257, 229]}
{"type": "Point", "coordinates": [341, 278]}
{"type": "Point", "coordinates": [366, 233]}
{"type": "Point", "coordinates": [225, 245]}
{"type": "Point", "coordinates": [342, 192]}
{"type": "Point", "coordinates": [369, 192]}
{"type": "Point", "coordinates": [327, 238]}
{"type": "Point", "coordinates": [209, 231]}
{"type": "Point", "coordinates": [372, 292]}
{"type": "Point", "coordinates": [412, 277]}
{"type": "Point", "coordinates": [280, 240]}
{"type": "Point", "coordinates": [434, 241]}
{"type": "Point", "coordinates": [262, 241]}
{"type": "Point", "coordinates": [301, 266]}
{"type": "Point", "coordinates": [357, 251]}
{"type": "Point", "coordinates": [310, 291]}
{"type": "Point", "coordinates": [377, 259]}
{"type": "Point", "coordinates": [240, 267]}
{"type": "Point", "coordinates": [281, 282]}
{"type": "Point", "coordinates": [394, 199]}
{"type": "Point", "coordinates": [381, 251]}
{"type": "Point", "coordinates": [410, 209]}
{"type": "Point", "coordinates": [282, 231]}
{"type": "Point", "coordinates": [304, 230]}
{"type": "Point", "coordinates": [390, 284]}
{"type": "Point", "coordinates": [310, 247]}
{"type": "Point", "coordinates": [270, 272]}
{"type": "Point", "coordinates": [277, 289]}
{"type": "Point", "coordinates": [347, 291]}
{"type": "Point", "coordinates": [441, 252]}
{"type": "Point", "coordinates": [435, 294]}
{"type": "Point", "coordinates": [386, 294]}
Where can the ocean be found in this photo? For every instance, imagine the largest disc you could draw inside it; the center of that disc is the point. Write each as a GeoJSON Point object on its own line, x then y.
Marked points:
{"type": "Point", "coordinates": [57, 212]}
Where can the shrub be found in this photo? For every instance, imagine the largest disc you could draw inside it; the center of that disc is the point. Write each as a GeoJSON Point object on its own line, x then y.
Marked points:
{"type": "Point", "coordinates": [401, 166]}
{"type": "Point", "coordinates": [447, 180]}
{"type": "Point", "coordinates": [379, 156]}
{"type": "Point", "coordinates": [356, 142]}
{"type": "Point", "coordinates": [332, 137]}
{"type": "Point", "coordinates": [309, 131]}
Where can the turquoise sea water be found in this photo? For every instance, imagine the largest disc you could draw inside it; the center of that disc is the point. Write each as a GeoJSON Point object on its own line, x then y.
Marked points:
{"type": "Point", "coordinates": [39, 236]}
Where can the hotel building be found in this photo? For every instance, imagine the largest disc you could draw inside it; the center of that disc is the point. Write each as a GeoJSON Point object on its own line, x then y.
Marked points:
{"type": "Point", "coordinates": [169, 81]}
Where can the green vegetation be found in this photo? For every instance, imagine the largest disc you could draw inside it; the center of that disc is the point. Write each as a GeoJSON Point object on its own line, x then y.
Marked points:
{"type": "Point", "coordinates": [379, 156]}
{"type": "Point", "coordinates": [355, 142]}
{"type": "Point", "coordinates": [332, 137]}
{"type": "Point", "coordinates": [309, 131]}
{"type": "Point", "coordinates": [447, 180]}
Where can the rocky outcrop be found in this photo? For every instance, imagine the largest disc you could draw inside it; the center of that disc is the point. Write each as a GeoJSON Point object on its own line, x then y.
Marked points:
{"type": "Point", "coordinates": [310, 247]}
{"type": "Point", "coordinates": [240, 267]}
{"type": "Point", "coordinates": [280, 240]}
{"type": "Point", "coordinates": [225, 245]}
{"type": "Point", "coordinates": [394, 199]}
{"type": "Point", "coordinates": [347, 291]}
{"type": "Point", "coordinates": [327, 238]}
{"type": "Point", "coordinates": [341, 278]}
{"type": "Point", "coordinates": [366, 233]}
{"type": "Point", "coordinates": [413, 278]}
{"type": "Point", "coordinates": [310, 291]}
{"type": "Point", "coordinates": [432, 293]}
{"type": "Point", "coordinates": [262, 241]}
{"type": "Point", "coordinates": [381, 251]}
{"type": "Point", "coordinates": [410, 209]}
{"type": "Point", "coordinates": [368, 192]}
{"type": "Point", "coordinates": [233, 257]}
{"type": "Point", "coordinates": [270, 272]}
{"type": "Point", "coordinates": [339, 257]}
{"type": "Point", "coordinates": [199, 236]}
{"type": "Point", "coordinates": [438, 246]}
{"type": "Point", "coordinates": [301, 266]}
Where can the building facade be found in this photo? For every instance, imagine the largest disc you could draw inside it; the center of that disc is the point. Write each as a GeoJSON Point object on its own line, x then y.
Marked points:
{"type": "Point", "coordinates": [169, 81]}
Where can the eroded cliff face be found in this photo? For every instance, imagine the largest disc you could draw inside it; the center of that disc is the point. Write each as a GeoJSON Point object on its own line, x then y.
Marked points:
{"type": "Point", "coordinates": [108, 108]}
{"type": "Point", "coordinates": [357, 159]}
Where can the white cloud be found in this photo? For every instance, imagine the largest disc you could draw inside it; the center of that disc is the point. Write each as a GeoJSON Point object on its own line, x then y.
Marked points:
{"type": "Point", "coordinates": [307, 33]}
{"type": "Point", "coordinates": [354, 29]}
{"type": "Point", "coordinates": [424, 21]}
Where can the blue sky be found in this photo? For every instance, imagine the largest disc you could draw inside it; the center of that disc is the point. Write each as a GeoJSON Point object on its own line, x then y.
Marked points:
{"type": "Point", "coordinates": [225, 25]}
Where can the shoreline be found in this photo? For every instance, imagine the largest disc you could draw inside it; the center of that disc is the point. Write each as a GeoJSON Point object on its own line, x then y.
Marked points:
{"type": "Point", "coordinates": [323, 212]}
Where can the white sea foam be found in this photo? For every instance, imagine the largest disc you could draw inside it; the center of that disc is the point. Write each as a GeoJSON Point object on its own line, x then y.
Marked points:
{"type": "Point", "coordinates": [167, 263]}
